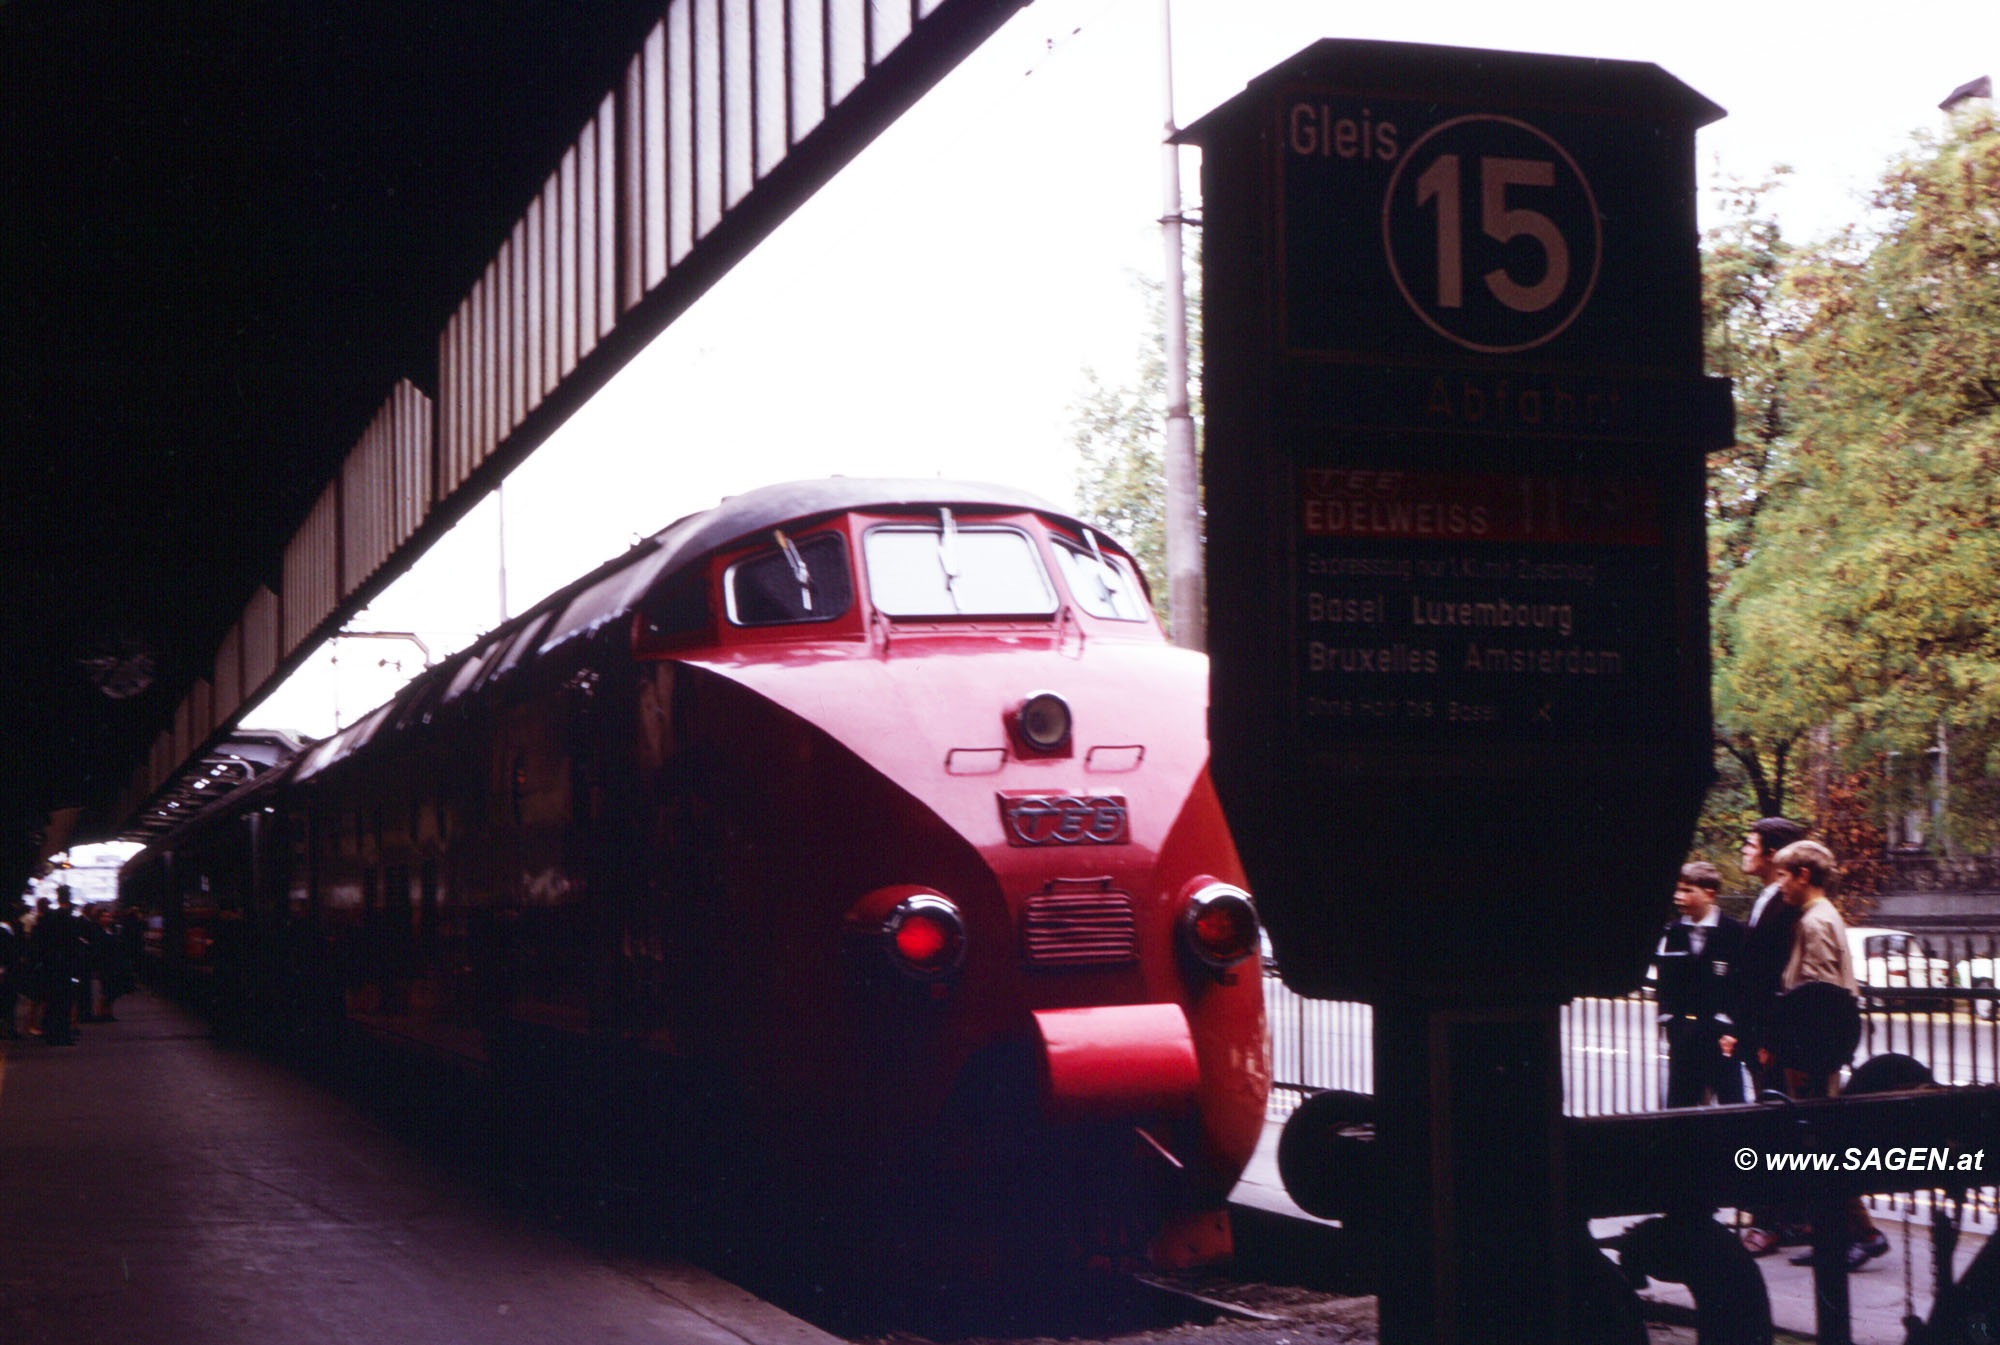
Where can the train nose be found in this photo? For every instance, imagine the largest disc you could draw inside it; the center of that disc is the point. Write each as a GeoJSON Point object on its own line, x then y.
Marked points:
{"type": "Point", "coordinates": [1109, 1062]}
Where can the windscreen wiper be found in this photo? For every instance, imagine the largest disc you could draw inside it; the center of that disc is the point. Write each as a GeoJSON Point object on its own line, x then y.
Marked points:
{"type": "Point", "coordinates": [798, 564]}
{"type": "Point", "coordinates": [948, 555]}
{"type": "Point", "coordinates": [1107, 576]}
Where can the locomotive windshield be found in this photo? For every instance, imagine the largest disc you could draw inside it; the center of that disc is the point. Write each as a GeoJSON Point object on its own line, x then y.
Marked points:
{"type": "Point", "coordinates": [949, 569]}
{"type": "Point", "coordinates": [800, 579]}
{"type": "Point", "coordinates": [1101, 585]}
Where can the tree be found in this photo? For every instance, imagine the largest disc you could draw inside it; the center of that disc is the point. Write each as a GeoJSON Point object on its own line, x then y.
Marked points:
{"type": "Point", "coordinates": [1750, 325]}
{"type": "Point", "coordinates": [1857, 521]}
{"type": "Point", "coordinates": [1121, 480]}
{"type": "Point", "coordinates": [1850, 831]}
{"type": "Point", "coordinates": [1120, 437]}
{"type": "Point", "coordinates": [1896, 510]}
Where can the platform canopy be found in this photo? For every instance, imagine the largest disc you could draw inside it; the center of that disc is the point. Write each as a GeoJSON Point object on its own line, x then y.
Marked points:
{"type": "Point", "coordinates": [239, 236]}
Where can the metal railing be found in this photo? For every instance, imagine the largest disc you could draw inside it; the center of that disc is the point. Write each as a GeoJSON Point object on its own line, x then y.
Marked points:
{"type": "Point", "coordinates": [1614, 1055]}
{"type": "Point", "coordinates": [1937, 1006]}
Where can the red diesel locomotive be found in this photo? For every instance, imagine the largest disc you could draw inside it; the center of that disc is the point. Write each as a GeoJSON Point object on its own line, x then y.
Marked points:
{"type": "Point", "coordinates": [875, 813]}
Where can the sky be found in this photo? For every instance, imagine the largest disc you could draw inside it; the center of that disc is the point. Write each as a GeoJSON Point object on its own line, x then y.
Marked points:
{"type": "Point", "coordinates": [933, 310]}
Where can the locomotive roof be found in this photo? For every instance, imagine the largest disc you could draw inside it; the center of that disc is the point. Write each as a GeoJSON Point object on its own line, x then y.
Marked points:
{"type": "Point", "coordinates": [613, 589]}
{"type": "Point", "coordinates": [769, 506]}
{"type": "Point", "coordinates": [609, 593]}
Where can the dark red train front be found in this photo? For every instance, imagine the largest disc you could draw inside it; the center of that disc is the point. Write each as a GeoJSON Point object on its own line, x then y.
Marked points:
{"type": "Point", "coordinates": [974, 747]}
{"type": "Point", "coordinates": [878, 810]}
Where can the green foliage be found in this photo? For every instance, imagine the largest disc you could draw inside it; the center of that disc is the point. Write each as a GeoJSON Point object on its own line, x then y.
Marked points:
{"type": "Point", "coordinates": [1718, 835]}
{"type": "Point", "coordinates": [1121, 480]}
{"type": "Point", "coordinates": [1856, 523]}
{"type": "Point", "coordinates": [1119, 434]}
{"type": "Point", "coordinates": [1761, 713]}
{"type": "Point", "coordinates": [1747, 325]}
{"type": "Point", "coordinates": [1849, 830]}
{"type": "Point", "coordinates": [1896, 513]}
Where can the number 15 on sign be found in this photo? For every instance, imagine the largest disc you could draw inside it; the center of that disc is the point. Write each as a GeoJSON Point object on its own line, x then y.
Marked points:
{"type": "Point", "coordinates": [1492, 234]}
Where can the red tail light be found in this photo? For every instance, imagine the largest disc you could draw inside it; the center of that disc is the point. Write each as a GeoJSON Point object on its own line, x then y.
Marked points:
{"type": "Point", "coordinates": [1219, 925]}
{"type": "Point", "coordinates": [916, 933]}
{"type": "Point", "coordinates": [925, 936]}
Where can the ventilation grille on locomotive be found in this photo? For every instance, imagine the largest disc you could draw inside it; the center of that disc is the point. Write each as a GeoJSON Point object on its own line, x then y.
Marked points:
{"type": "Point", "coordinates": [1080, 929]}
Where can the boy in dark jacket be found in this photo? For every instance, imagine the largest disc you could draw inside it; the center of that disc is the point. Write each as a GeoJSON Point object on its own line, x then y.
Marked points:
{"type": "Point", "coordinates": [1697, 950]}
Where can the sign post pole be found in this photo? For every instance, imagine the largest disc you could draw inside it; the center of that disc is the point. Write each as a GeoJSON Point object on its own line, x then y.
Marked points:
{"type": "Point", "coordinates": [1458, 598]}
{"type": "Point", "coordinates": [1476, 1247]}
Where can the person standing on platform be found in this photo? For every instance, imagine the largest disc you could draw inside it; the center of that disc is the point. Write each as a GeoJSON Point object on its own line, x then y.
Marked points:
{"type": "Point", "coordinates": [1820, 953]}
{"type": "Point", "coordinates": [1819, 943]}
{"type": "Point", "coordinates": [1754, 991]}
{"type": "Point", "coordinates": [59, 951]}
{"type": "Point", "coordinates": [1697, 950]}
{"type": "Point", "coordinates": [29, 973]}
{"type": "Point", "coordinates": [1766, 948]}
{"type": "Point", "coordinates": [132, 930]}
{"type": "Point", "coordinates": [93, 966]}
{"type": "Point", "coordinates": [116, 971]}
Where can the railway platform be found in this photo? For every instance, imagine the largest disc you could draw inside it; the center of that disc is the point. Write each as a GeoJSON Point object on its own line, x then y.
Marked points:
{"type": "Point", "coordinates": [157, 1188]}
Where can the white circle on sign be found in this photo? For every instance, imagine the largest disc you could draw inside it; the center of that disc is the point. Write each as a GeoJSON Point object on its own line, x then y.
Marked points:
{"type": "Point", "coordinates": [1528, 263]}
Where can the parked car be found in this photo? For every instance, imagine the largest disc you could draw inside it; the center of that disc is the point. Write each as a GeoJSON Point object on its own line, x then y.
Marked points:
{"type": "Point", "coordinates": [1977, 973]}
{"type": "Point", "coordinates": [1894, 959]}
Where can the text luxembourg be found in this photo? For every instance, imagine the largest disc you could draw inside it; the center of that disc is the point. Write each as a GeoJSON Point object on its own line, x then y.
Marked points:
{"type": "Point", "coordinates": [1557, 616]}
{"type": "Point", "coordinates": [1539, 615]}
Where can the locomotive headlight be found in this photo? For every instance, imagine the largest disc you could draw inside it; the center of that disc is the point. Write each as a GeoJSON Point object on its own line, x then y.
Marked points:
{"type": "Point", "coordinates": [1044, 721]}
{"type": "Point", "coordinates": [925, 936]}
{"type": "Point", "coordinates": [1218, 924]}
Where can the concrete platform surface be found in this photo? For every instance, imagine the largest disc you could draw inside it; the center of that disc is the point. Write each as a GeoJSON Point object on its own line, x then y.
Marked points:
{"type": "Point", "coordinates": [158, 1189]}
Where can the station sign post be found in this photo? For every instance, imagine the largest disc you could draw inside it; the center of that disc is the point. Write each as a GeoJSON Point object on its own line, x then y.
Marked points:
{"type": "Point", "coordinates": [1456, 426]}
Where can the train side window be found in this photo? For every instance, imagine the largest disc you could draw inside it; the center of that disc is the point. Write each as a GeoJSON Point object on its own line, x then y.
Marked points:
{"type": "Point", "coordinates": [678, 605]}
{"type": "Point", "coordinates": [797, 580]}
{"type": "Point", "coordinates": [608, 599]}
{"type": "Point", "coordinates": [423, 696]}
{"type": "Point", "coordinates": [951, 570]}
{"type": "Point", "coordinates": [516, 650]}
{"type": "Point", "coordinates": [468, 673]}
{"type": "Point", "coordinates": [1101, 583]}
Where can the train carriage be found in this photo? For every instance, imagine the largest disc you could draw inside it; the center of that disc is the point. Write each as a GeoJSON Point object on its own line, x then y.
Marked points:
{"type": "Point", "coordinates": [876, 811]}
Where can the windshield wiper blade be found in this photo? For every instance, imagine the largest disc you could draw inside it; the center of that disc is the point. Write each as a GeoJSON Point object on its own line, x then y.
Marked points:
{"type": "Point", "coordinates": [798, 564]}
{"type": "Point", "coordinates": [948, 555]}
{"type": "Point", "coordinates": [1107, 575]}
